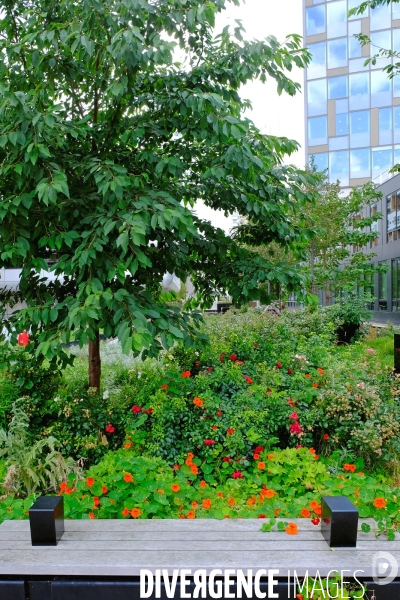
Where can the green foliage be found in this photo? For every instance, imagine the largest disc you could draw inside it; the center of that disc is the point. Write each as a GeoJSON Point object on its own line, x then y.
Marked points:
{"type": "Point", "coordinates": [30, 466]}
{"type": "Point", "coordinates": [105, 147]}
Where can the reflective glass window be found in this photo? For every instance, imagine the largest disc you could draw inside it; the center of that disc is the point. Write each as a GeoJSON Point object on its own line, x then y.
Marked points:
{"type": "Point", "coordinates": [385, 126]}
{"type": "Point", "coordinates": [317, 131]}
{"type": "Point", "coordinates": [354, 4]}
{"type": "Point", "coordinates": [396, 85]}
{"type": "Point", "coordinates": [359, 90]}
{"type": "Point", "coordinates": [315, 20]}
{"type": "Point", "coordinates": [336, 18]}
{"type": "Point", "coordinates": [360, 163]}
{"type": "Point", "coordinates": [359, 121]}
{"type": "Point", "coordinates": [382, 39]}
{"type": "Point", "coordinates": [321, 161]}
{"type": "Point", "coordinates": [382, 160]}
{"type": "Point", "coordinates": [395, 10]}
{"type": "Point", "coordinates": [342, 124]}
{"type": "Point", "coordinates": [337, 53]}
{"type": "Point", "coordinates": [317, 67]}
{"type": "Point", "coordinates": [396, 124]}
{"type": "Point", "coordinates": [396, 155]}
{"type": "Point", "coordinates": [396, 38]}
{"type": "Point", "coordinates": [338, 163]}
{"type": "Point", "coordinates": [381, 89]}
{"type": "Point", "coordinates": [316, 97]}
{"type": "Point", "coordinates": [380, 17]}
{"type": "Point", "coordinates": [355, 50]}
{"type": "Point", "coordinates": [337, 87]}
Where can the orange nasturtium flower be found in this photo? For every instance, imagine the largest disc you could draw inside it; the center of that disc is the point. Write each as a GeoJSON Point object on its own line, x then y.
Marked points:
{"type": "Point", "coordinates": [206, 503]}
{"type": "Point", "coordinates": [193, 469]}
{"type": "Point", "coordinates": [256, 457]}
{"type": "Point", "coordinates": [203, 484]}
{"type": "Point", "coordinates": [128, 445]}
{"type": "Point", "coordinates": [220, 495]}
{"type": "Point", "coordinates": [195, 504]}
{"type": "Point", "coordinates": [231, 502]}
{"type": "Point", "coordinates": [269, 493]}
{"type": "Point", "coordinates": [251, 501]}
{"type": "Point", "coordinates": [261, 465]}
{"type": "Point", "coordinates": [128, 478]}
{"type": "Point", "coordinates": [126, 512]}
{"type": "Point", "coordinates": [292, 529]}
{"type": "Point", "coordinates": [191, 514]}
{"type": "Point", "coordinates": [160, 491]}
{"type": "Point", "coordinates": [379, 503]}
{"type": "Point", "coordinates": [91, 516]}
{"type": "Point", "coordinates": [198, 402]}
{"type": "Point", "coordinates": [104, 489]}
{"type": "Point", "coordinates": [175, 487]}
{"type": "Point", "coordinates": [270, 457]}
{"type": "Point", "coordinates": [190, 455]}
{"type": "Point", "coordinates": [89, 481]}
{"type": "Point", "coordinates": [305, 513]}
{"type": "Point", "coordinates": [135, 513]}
{"type": "Point", "coordinates": [314, 504]}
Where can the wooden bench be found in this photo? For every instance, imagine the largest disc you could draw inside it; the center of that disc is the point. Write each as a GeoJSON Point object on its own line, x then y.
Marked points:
{"type": "Point", "coordinates": [101, 560]}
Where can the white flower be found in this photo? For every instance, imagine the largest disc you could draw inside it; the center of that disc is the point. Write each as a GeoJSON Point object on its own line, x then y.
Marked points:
{"type": "Point", "coordinates": [139, 375]}
{"type": "Point", "coordinates": [57, 399]}
{"type": "Point", "coordinates": [106, 395]}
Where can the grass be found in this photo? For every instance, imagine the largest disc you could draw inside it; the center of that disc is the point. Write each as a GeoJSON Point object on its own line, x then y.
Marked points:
{"type": "Point", "coordinates": [382, 344]}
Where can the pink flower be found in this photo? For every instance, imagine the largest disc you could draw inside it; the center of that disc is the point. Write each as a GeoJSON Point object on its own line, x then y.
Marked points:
{"type": "Point", "coordinates": [295, 428]}
{"type": "Point", "coordinates": [237, 475]}
{"type": "Point", "coordinates": [136, 409]}
{"type": "Point", "coordinates": [209, 442]}
{"type": "Point", "coordinates": [370, 350]}
{"type": "Point", "coordinates": [294, 416]}
{"type": "Point", "coordinates": [110, 428]}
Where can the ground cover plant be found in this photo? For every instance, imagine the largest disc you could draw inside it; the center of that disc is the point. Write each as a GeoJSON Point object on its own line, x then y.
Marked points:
{"type": "Point", "coordinates": [269, 416]}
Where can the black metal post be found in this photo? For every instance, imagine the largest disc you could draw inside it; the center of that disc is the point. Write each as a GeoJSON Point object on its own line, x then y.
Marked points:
{"type": "Point", "coordinates": [397, 352]}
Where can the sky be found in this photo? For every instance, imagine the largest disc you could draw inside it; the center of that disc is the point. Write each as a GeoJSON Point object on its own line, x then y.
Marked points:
{"type": "Point", "coordinates": [272, 114]}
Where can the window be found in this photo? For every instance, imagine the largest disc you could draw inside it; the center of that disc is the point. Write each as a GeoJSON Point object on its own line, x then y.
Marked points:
{"type": "Point", "coordinates": [380, 17]}
{"type": "Point", "coordinates": [360, 163]}
{"type": "Point", "coordinates": [385, 126]}
{"type": "Point", "coordinates": [342, 124]}
{"type": "Point", "coordinates": [382, 160]}
{"type": "Point", "coordinates": [317, 131]}
{"type": "Point", "coordinates": [339, 166]}
{"type": "Point", "coordinates": [382, 289]}
{"type": "Point", "coordinates": [381, 89]}
{"type": "Point", "coordinates": [359, 129]}
{"type": "Point", "coordinates": [354, 4]}
{"type": "Point", "coordinates": [317, 67]}
{"type": "Point", "coordinates": [315, 20]}
{"type": "Point", "coordinates": [359, 90]}
{"type": "Point", "coordinates": [395, 10]}
{"type": "Point", "coordinates": [374, 225]}
{"type": "Point", "coordinates": [382, 39]}
{"type": "Point", "coordinates": [354, 45]}
{"type": "Point", "coordinates": [336, 18]}
{"type": "Point", "coordinates": [337, 53]}
{"type": "Point", "coordinates": [316, 93]}
{"type": "Point", "coordinates": [396, 123]}
{"type": "Point", "coordinates": [393, 216]}
{"type": "Point", "coordinates": [396, 39]}
{"type": "Point", "coordinates": [337, 87]}
{"type": "Point", "coordinates": [321, 161]}
{"type": "Point", "coordinates": [396, 285]}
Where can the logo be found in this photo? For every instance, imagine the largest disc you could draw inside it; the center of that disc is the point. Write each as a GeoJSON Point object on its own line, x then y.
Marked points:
{"type": "Point", "coordinates": [384, 568]}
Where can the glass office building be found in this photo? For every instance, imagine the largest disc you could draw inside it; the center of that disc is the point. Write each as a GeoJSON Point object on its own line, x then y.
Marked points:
{"type": "Point", "coordinates": [352, 111]}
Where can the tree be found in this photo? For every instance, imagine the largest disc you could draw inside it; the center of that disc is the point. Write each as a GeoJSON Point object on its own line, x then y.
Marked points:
{"type": "Point", "coordinates": [335, 261]}
{"type": "Point", "coordinates": [106, 143]}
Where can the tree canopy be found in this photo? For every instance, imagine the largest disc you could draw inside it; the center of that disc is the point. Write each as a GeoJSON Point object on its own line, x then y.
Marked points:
{"type": "Point", "coordinates": [106, 144]}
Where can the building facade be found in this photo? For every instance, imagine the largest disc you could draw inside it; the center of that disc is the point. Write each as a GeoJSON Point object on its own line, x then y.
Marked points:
{"type": "Point", "coordinates": [352, 110]}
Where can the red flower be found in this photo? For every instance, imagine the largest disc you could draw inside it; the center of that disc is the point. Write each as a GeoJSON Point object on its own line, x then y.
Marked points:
{"type": "Point", "coordinates": [163, 387]}
{"type": "Point", "coordinates": [104, 489]}
{"type": "Point", "coordinates": [89, 481]}
{"type": "Point", "coordinates": [326, 436]}
{"type": "Point", "coordinates": [210, 369]}
{"type": "Point", "coordinates": [298, 446]}
{"type": "Point", "coordinates": [233, 357]}
{"type": "Point", "coordinates": [209, 442]}
{"type": "Point", "coordinates": [197, 364]}
{"type": "Point", "coordinates": [291, 402]}
{"type": "Point", "coordinates": [289, 371]}
{"type": "Point", "coordinates": [148, 411]}
{"type": "Point", "coordinates": [128, 478]}
{"type": "Point", "coordinates": [258, 449]}
{"type": "Point", "coordinates": [279, 365]}
{"type": "Point", "coordinates": [295, 428]}
{"type": "Point", "coordinates": [294, 416]}
{"type": "Point", "coordinates": [230, 431]}
{"type": "Point", "coordinates": [262, 516]}
{"type": "Point", "coordinates": [110, 428]}
{"type": "Point", "coordinates": [219, 413]}
{"type": "Point", "coordinates": [96, 501]}
{"type": "Point", "coordinates": [221, 357]}
{"type": "Point", "coordinates": [137, 409]}
{"type": "Point", "coordinates": [237, 475]}
{"type": "Point", "coordinates": [255, 345]}
{"type": "Point", "coordinates": [316, 521]}
{"type": "Point", "coordinates": [185, 374]}
{"type": "Point", "coordinates": [226, 459]}
{"type": "Point", "coordinates": [268, 391]}
{"type": "Point", "coordinates": [23, 339]}
{"type": "Point", "coordinates": [91, 516]}
{"type": "Point", "coordinates": [248, 379]}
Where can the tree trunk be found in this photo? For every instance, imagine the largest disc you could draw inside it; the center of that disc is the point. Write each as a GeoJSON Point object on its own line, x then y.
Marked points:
{"type": "Point", "coordinates": [94, 362]}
